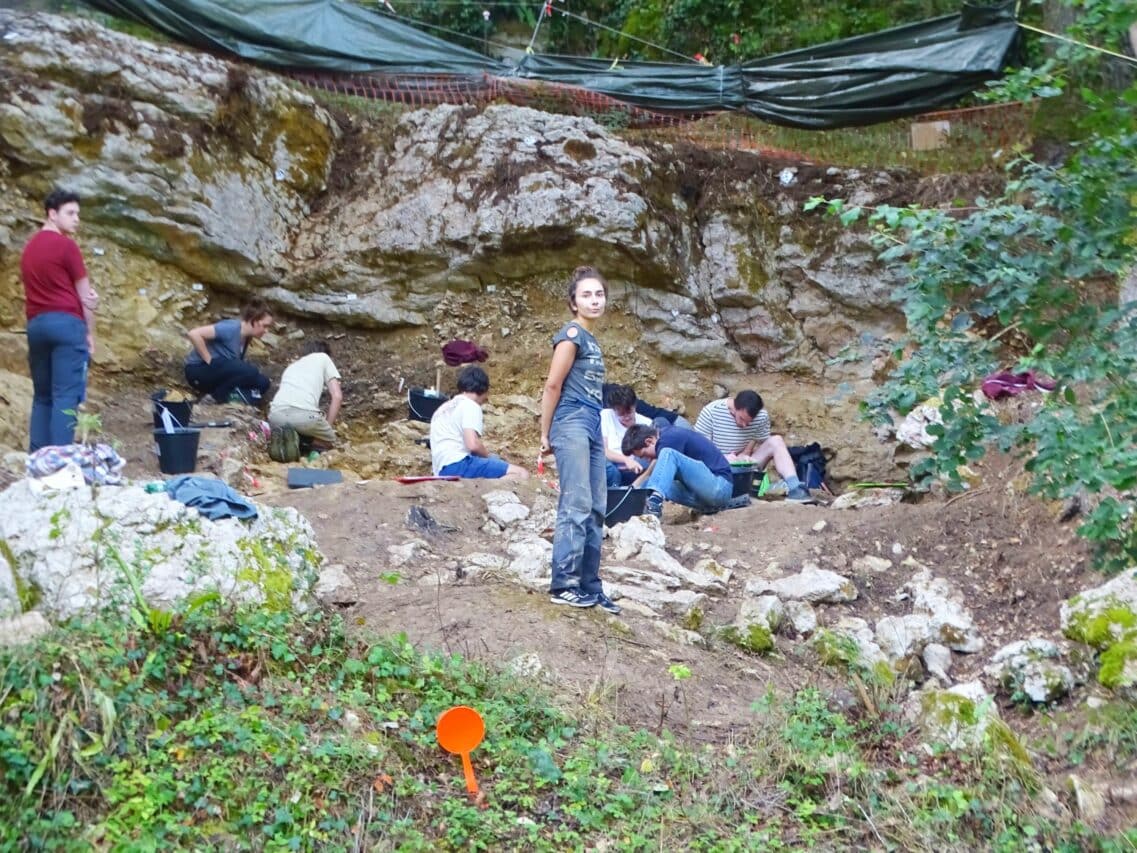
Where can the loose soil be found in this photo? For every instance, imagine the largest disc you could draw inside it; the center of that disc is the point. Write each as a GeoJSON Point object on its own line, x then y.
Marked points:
{"type": "Point", "coordinates": [1007, 553]}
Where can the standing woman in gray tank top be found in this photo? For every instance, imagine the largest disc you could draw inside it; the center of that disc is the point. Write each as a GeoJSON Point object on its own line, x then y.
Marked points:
{"type": "Point", "coordinates": [570, 430]}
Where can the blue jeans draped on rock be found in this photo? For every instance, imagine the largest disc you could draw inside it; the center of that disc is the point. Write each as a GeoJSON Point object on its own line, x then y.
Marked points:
{"type": "Point", "coordinates": [689, 482]}
{"type": "Point", "coordinates": [57, 358]}
{"type": "Point", "coordinates": [579, 450]}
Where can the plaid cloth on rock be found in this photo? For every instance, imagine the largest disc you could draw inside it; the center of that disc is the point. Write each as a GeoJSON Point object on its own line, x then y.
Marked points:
{"type": "Point", "coordinates": [100, 464]}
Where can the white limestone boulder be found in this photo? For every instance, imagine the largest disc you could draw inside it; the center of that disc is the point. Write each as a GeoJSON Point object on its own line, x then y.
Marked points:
{"type": "Point", "coordinates": [504, 507]}
{"type": "Point", "coordinates": [957, 717]}
{"type": "Point", "coordinates": [82, 551]}
{"type": "Point", "coordinates": [1031, 669]}
{"type": "Point", "coordinates": [811, 584]}
{"type": "Point", "coordinates": [951, 622]}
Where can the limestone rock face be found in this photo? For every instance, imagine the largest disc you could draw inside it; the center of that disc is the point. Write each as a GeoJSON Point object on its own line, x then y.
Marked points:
{"type": "Point", "coordinates": [196, 171]}
{"type": "Point", "coordinates": [191, 169]}
{"type": "Point", "coordinates": [187, 158]}
{"type": "Point", "coordinates": [15, 409]}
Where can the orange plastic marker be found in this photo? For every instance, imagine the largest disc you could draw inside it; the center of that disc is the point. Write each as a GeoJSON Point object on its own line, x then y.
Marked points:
{"type": "Point", "coordinates": [459, 731]}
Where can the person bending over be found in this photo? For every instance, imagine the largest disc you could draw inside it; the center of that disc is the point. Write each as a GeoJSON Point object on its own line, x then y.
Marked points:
{"type": "Point", "coordinates": [614, 422]}
{"type": "Point", "coordinates": [296, 404]}
{"type": "Point", "coordinates": [686, 468]}
{"type": "Point", "coordinates": [740, 428]}
{"type": "Point", "coordinates": [216, 365]}
{"type": "Point", "coordinates": [456, 428]}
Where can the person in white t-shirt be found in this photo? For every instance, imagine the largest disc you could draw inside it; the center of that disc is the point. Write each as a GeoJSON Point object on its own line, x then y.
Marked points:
{"type": "Point", "coordinates": [456, 448]}
{"type": "Point", "coordinates": [296, 403]}
{"type": "Point", "coordinates": [620, 414]}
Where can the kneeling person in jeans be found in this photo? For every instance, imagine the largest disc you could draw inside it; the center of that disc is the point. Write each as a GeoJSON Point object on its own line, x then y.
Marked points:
{"type": "Point", "coordinates": [297, 402]}
{"type": "Point", "coordinates": [686, 468]}
{"type": "Point", "coordinates": [456, 448]}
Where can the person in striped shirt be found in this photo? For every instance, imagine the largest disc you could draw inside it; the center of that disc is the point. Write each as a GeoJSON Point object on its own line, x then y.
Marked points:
{"type": "Point", "coordinates": [740, 428]}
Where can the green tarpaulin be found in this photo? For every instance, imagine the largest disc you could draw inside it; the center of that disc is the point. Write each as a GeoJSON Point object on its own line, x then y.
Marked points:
{"type": "Point", "coordinates": [863, 80]}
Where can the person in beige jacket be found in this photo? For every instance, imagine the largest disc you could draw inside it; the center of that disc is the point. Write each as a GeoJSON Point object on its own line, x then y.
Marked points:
{"type": "Point", "coordinates": [296, 404]}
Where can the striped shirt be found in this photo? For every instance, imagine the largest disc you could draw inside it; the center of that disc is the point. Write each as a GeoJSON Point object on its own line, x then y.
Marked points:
{"type": "Point", "coordinates": [717, 423]}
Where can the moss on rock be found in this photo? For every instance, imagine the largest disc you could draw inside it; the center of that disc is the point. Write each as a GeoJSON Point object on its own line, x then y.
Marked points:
{"type": "Point", "coordinates": [754, 638]}
{"type": "Point", "coordinates": [1112, 631]}
{"type": "Point", "coordinates": [1119, 664]}
{"type": "Point", "coordinates": [1103, 628]}
{"type": "Point", "coordinates": [268, 570]}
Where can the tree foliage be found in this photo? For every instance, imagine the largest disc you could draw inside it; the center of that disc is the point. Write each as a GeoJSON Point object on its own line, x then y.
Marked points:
{"type": "Point", "coordinates": [724, 31]}
{"type": "Point", "coordinates": [1053, 64]}
{"type": "Point", "coordinates": [729, 31]}
{"type": "Point", "coordinates": [1029, 280]}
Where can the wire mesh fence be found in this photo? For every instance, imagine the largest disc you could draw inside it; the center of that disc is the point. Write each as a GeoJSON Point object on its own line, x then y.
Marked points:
{"type": "Point", "coordinates": [966, 139]}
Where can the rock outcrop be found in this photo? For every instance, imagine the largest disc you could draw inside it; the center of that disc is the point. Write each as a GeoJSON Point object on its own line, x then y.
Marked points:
{"type": "Point", "coordinates": [191, 169]}
{"type": "Point", "coordinates": [201, 177]}
{"type": "Point", "coordinates": [1105, 618]}
{"type": "Point", "coordinates": [80, 551]}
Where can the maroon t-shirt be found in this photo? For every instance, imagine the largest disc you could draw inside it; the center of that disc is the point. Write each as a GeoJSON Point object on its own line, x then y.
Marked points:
{"type": "Point", "coordinates": [50, 266]}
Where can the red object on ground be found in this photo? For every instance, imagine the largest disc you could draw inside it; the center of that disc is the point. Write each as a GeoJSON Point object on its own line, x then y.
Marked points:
{"type": "Point", "coordinates": [1007, 384]}
{"type": "Point", "coordinates": [461, 352]}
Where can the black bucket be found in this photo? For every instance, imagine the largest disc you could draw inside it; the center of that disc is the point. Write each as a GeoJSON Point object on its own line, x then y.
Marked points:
{"type": "Point", "coordinates": [181, 411]}
{"type": "Point", "coordinates": [624, 503]}
{"type": "Point", "coordinates": [422, 404]}
{"type": "Point", "coordinates": [743, 480]}
{"type": "Point", "coordinates": [177, 450]}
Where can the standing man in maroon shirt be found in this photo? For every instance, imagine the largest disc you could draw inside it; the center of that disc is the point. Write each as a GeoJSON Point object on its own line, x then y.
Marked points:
{"type": "Point", "coordinates": [60, 306]}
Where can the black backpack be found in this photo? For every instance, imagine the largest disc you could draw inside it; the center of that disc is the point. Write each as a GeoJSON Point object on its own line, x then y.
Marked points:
{"type": "Point", "coordinates": [809, 460]}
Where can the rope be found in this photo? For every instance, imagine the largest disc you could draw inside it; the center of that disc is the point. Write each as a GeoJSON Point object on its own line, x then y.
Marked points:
{"type": "Point", "coordinates": [1086, 45]}
{"type": "Point", "coordinates": [545, 7]}
{"type": "Point", "coordinates": [546, 11]}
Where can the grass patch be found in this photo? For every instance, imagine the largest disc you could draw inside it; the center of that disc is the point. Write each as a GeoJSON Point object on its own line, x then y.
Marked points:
{"type": "Point", "coordinates": [235, 729]}
{"type": "Point", "coordinates": [753, 638]}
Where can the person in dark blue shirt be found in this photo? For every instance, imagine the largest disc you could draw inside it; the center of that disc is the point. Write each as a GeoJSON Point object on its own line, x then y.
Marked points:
{"type": "Point", "coordinates": [686, 468]}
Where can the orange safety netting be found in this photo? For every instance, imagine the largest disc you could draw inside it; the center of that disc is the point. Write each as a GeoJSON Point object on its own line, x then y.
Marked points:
{"type": "Point", "coordinates": [965, 138]}
{"type": "Point", "coordinates": [430, 90]}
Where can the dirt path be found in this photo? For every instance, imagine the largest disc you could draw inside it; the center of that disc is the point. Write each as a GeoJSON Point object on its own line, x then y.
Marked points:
{"type": "Point", "coordinates": [1013, 562]}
